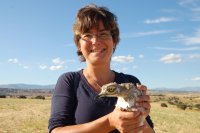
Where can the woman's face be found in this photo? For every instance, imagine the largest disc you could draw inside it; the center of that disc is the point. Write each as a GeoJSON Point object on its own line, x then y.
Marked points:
{"type": "Point", "coordinates": [97, 45]}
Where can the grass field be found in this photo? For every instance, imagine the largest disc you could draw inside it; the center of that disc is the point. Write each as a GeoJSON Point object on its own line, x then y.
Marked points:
{"type": "Point", "coordinates": [24, 115]}
{"type": "Point", "coordinates": [31, 116]}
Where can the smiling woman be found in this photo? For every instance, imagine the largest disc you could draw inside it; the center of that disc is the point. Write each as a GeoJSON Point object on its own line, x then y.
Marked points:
{"type": "Point", "coordinates": [75, 106]}
{"type": "Point", "coordinates": [97, 50]}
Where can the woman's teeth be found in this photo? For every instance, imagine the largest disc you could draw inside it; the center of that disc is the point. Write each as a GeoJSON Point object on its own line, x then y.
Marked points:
{"type": "Point", "coordinates": [98, 50]}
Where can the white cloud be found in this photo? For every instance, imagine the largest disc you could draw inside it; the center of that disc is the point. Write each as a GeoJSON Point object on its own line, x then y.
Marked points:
{"type": "Point", "coordinates": [16, 61]}
{"type": "Point", "coordinates": [189, 40]}
{"type": "Point", "coordinates": [71, 61]}
{"type": "Point", "coordinates": [58, 61]}
{"type": "Point", "coordinates": [148, 33]}
{"type": "Point", "coordinates": [57, 67]}
{"type": "Point", "coordinates": [159, 20]}
{"type": "Point", "coordinates": [193, 6]}
{"type": "Point", "coordinates": [43, 67]}
{"type": "Point", "coordinates": [195, 14]}
{"type": "Point", "coordinates": [13, 60]}
{"type": "Point", "coordinates": [155, 32]}
{"type": "Point", "coordinates": [196, 79]}
{"type": "Point", "coordinates": [192, 40]}
{"type": "Point", "coordinates": [57, 64]}
{"type": "Point", "coordinates": [171, 58]}
{"type": "Point", "coordinates": [194, 56]}
{"type": "Point", "coordinates": [187, 2]}
{"type": "Point", "coordinates": [178, 49]}
{"type": "Point", "coordinates": [123, 59]}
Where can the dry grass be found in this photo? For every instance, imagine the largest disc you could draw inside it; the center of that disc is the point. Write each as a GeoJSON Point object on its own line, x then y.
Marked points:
{"type": "Point", "coordinates": [31, 116]}
{"type": "Point", "coordinates": [24, 115]}
{"type": "Point", "coordinates": [174, 120]}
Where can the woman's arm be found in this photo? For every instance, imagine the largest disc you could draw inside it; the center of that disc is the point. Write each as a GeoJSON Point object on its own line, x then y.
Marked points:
{"type": "Point", "coordinates": [62, 112]}
{"type": "Point", "coordinates": [147, 128]}
{"type": "Point", "coordinates": [100, 125]}
{"type": "Point", "coordinates": [125, 122]}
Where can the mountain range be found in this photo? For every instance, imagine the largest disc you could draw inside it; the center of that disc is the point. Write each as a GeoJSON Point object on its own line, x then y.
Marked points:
{"type": "Point", "coordinates": [34, 86]}
{"type": "Point", "coordinates": [26, 86]}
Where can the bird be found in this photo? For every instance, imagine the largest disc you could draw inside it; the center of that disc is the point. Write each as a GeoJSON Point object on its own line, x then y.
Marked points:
{"type": "Point", "coordinates": [127, 94]}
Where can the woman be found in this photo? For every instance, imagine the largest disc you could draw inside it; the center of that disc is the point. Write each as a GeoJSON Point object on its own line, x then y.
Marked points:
{"type": "Point", "coordinates": [75, 105]}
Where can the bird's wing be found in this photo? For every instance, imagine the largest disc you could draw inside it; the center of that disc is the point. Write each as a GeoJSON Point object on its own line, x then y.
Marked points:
{"type": "Point", "coordinates": [127, 85]}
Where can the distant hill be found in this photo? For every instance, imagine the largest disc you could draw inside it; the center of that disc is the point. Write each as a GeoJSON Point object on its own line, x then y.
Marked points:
{"type": "Point", "coordinates": [34, 86]}
{"type": "Point", "coordinates": [47, 90]}
{"type": "Point", "coordinates": [26, 86]}
{"type": "Point", "coordinates": [183, 89]}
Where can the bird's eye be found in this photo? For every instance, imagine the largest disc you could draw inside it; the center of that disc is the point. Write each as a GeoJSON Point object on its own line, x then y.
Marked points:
{"type": "Point", "coordinates": [111, 89]}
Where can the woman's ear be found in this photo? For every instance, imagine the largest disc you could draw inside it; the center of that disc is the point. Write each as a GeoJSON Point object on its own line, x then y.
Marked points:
{"type": "Point", "coordinates": [79, 47]}
{"type": "Point", "coordinates": [114, 47]}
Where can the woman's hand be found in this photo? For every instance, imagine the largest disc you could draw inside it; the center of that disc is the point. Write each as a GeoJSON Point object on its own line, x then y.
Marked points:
{"type": "Point", "coordinates": [144, 101]}
{"type": "Point", "coordinates": [125, 122]}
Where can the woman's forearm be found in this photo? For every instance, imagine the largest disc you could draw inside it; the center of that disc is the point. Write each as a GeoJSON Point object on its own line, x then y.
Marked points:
{"type": "Point", "coordinates": [148, 129]}
{"type": "Point", "coordinates": [100, 125]}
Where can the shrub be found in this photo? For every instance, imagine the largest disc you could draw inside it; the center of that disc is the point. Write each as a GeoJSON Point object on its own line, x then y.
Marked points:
{"type": "Point", "coordinates": [197, 106]}
{"type": "Point", "coordinates": [164, 105]}
{"type": "Point", "coordinates": [22, 97]}
{"type": "Point", "coordinates": [190, 107]}
{"type": "Point", "coordinates": [40, 97]}
{"type": "Point", "coordinates": [170, 102]}
{"type": "Point", "coordinates": [182, 106]}
{"type": "Point", "coordinates": [2, 96]}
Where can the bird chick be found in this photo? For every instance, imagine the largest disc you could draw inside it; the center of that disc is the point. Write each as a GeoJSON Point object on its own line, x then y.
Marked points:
{"type": "Point", "coordinates": [127, 93]}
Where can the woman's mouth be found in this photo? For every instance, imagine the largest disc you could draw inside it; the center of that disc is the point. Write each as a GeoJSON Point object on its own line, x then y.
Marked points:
{"type": "Point", "coordinates": [97, 50]}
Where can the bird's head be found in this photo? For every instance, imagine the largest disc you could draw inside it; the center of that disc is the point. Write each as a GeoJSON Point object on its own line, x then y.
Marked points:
{"type": "Point", "coordinates": [109, 90]}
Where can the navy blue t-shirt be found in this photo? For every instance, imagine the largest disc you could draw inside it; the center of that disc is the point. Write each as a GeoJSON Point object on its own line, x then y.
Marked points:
{"type": "Point", "coordinates": [75, 102]}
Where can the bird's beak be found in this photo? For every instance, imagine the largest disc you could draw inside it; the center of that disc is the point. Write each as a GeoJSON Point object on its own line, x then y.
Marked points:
{"type": "Point", "coordinates": [101, 95]}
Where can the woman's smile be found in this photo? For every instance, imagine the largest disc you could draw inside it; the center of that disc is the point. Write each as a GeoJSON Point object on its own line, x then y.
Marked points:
{"type": "Point", "coordinates": [98, 50]}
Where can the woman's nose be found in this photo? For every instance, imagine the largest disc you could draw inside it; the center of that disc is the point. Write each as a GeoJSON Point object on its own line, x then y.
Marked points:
{"type": "Point", "coordinates": [95, 40]}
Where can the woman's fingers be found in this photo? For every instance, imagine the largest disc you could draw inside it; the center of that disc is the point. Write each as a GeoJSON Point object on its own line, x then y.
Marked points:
{"type": "Point", "coordinates": [131, 125]}
{"type": "Point", "coordinates": [144, 102]}
{"type": "Point", "coordinates": [135, 129]}
{"type": "Point", "coordinates": [129, 115]}
{"type": "Point", "coordinates": [143, 88]}
{"type": "Point", "coordinates": [125, 121]}
{"type": "Point", "coordinates": [144, 98]}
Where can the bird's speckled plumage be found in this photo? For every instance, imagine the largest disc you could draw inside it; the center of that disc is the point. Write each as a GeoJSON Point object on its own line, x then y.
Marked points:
{"type": "Point", "coordinates": [127, 94]}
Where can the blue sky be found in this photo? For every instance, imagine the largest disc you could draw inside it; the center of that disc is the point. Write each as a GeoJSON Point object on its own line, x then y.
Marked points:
{"type": "Point", "coordinates": [160, 40]}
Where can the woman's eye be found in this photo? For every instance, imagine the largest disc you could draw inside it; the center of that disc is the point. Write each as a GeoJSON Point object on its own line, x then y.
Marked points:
{"type": "Point", "coordinates": [104, 34]}
{"type": "Point", "coordinates": [87, 36]}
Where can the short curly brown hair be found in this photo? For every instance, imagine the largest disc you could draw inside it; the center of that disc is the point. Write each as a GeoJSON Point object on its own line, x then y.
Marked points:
{"type": "Point", "coordinates": [89, 17]}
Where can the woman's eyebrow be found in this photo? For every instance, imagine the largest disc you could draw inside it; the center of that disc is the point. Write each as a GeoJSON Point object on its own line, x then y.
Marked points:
{"type": "Point", "coordinates": [103, 30]}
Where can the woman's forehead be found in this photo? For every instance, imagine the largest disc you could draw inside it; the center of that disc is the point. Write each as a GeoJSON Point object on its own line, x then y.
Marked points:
{"type": "Point", "coordinates": [98, 27]}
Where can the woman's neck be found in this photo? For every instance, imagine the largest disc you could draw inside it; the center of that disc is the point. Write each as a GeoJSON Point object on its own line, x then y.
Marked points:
{"type": "Point", "coordinates": [98, 76]}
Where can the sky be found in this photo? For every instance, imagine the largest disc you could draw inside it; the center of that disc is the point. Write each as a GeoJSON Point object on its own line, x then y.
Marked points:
{"type": "Point", "coordinates": [159, 40]}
